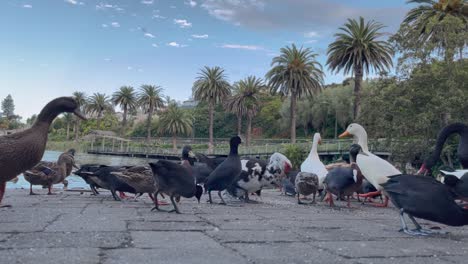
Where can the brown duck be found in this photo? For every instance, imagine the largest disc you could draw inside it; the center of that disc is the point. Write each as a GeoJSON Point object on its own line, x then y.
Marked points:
{"type": "Point", "coordinates": [21, 151]}
{"type": "Point", "coordinates": [48, 173]}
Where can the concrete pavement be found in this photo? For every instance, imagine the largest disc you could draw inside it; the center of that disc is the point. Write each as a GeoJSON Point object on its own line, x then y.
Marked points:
{"type": "Point", "coordinates": [79, 228]}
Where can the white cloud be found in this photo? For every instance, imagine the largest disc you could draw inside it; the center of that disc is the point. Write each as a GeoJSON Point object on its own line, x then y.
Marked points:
{"type": "Point", "coordinates": [105, 25]}
{"type": "Point", "coordinates": [147, 2]}
{"type": "Point", "coordinates": [244, 47]}
{"type": "Point", "coordinates": [301, 15]}
{"type": "Point", "coordinates": [173, 6]}
{"type": "Point", "coordinates": [204, 36]}
{"type": "Point", "coordinates": [27, 6]}
{"type": "Point", "coordinates": [159, 16]}
{"type": "Point", "coordinates": [311, 34]}
{"type": "Point", "coordinates": [154, 45]}
{"type": "Point", "coordinates": [176, 45]}
{"type": "Point", "coordinates": [129, 68]}
{"type": "Point", "coordinates": [149, 35]}
{"type": "Point", "coordinates": [311, 41]}
{"type": "Point", "coordinates": [191, 3]}
{"type": "Point", "coordinates": [107, 59]}
{"type": "Point", "coordinates": [115, 24]}
{"type": "Point", "coordinates": [73, 2]}
{"type": "Point", "coordinates": [173, 44]}
{"type": "Point", "coordinates": [182, 23]}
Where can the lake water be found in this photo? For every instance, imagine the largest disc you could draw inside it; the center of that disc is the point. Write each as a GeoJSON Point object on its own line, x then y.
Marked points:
{"type": "Point", "coordinates": [80, 158]}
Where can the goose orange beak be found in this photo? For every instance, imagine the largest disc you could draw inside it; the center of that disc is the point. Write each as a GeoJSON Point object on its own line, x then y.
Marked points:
{"type": "Point", "coordinates": [344, 134]}
{"type": "Point", "coordinates": [79, 114]}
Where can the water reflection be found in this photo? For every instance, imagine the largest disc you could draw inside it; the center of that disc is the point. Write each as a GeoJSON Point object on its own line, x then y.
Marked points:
{"type": "Point", "coordinates": [80, 158]}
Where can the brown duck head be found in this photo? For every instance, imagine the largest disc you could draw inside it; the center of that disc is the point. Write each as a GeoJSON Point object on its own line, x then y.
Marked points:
{"type": "Point", "coordinates": [58, 106]}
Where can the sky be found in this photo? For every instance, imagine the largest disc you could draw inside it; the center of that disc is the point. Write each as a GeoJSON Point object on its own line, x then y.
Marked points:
{"type": "Point", "coordinates": [51, 48]}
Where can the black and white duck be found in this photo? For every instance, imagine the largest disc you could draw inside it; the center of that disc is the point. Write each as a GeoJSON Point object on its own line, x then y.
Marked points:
{"type": "Point", "coordinates": [225, 174]}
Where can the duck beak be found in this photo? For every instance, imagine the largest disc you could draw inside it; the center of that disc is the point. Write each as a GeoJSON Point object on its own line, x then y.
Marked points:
{"type": "Point", "coordinates": [79, 114]}
{"type": "Point", "coordinates": [191, 154]}
{"type": "Point", "coordinates": [344, 134]}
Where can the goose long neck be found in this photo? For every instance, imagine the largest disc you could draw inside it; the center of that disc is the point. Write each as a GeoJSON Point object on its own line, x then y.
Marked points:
{"type": "Point", "coordinates": [362, 141]}
{"type": "Point", "coordinates": [441, 138]}
{"type": "Point", "coordinates": [234, 150]}
{"type": "Point", "coordinates": [314, 150]}
{"type": "Point", "coordinates": [46, 116]}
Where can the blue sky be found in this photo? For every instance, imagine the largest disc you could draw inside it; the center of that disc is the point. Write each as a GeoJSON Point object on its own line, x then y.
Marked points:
{"type": "Point", "coordinates": [50, 48]}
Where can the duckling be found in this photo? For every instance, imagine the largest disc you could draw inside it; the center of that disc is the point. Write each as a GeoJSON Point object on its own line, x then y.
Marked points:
{"type": "Point", "coordinates": [306, 184]}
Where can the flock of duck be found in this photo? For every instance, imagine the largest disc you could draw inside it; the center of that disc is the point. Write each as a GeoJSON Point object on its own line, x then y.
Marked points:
{"type": "Point", "coordinates": [367, 175]}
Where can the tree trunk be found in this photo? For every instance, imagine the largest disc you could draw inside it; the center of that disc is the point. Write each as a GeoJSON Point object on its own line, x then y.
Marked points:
{"type": "Point", "coordinates": [239, 124]}
{"type": "Point", "coordinates": [68, 130]}
{"type": "Point", "coordinates": [174, 143]}
{"type": "Point", "coordinates": [210, 131]}
{"type": "Point", "coordinates": [98, 121]}
{"type": "Point", "coordinates": [148, 123]}
{"type": "Point", "coordinates": [357, 92]}
{"type": "Point", "coordinates": [249, 129]}
{"type": "Point", "coordinates": [77, 130]}
{"type": "Point", "coordinates": [293, 118]}
{"type": "Point", "coordinates": [124, 121]}
{"type": "Point", "coordinates": [336, 125]}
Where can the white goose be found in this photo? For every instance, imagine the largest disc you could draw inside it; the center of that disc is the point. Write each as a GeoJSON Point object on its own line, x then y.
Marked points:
{"type": "Point", "coordinates": [375, 169]}
{"type": "Point", "coordinates": [312, 163]}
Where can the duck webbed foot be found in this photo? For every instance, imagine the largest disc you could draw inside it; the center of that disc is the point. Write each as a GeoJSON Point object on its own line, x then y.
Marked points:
{"type": "Point", "coordinates": [221, 197]}
{"type": "Point", "coordinates": [2, 192]}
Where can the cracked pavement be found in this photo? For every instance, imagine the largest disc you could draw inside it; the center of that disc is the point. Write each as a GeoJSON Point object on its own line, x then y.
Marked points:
{"type": "Point", "coordinates": [80, 228]}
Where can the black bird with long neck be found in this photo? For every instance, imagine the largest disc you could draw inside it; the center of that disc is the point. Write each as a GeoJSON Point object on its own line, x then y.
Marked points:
{"type": "Point", "coordinates": [462, 150]}
{"type": "Point", "coordinates": [224, 175]}
{"type": "Point", "coordinates": [21, 151]}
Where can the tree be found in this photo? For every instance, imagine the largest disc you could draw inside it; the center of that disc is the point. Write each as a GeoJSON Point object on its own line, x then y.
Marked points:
{"type": "Point", "coordinates": [295, 73]}
{"type": "Point", "coordinates": [355, 50]}
{"type": "Point", "coordinates": [126, 98]}
{"type": "Point", "coordinates": [211, 87]}
{"type": "Point", "coordinates": [68, 119]}
{"type": "Point", "coordinates": [97, 104]}
{"type": "Point", "coordinates": [8, 108]}
{"type": "Point", "coordinates": [245, 101]}
{"type": "Point", "coordinates": [150, 99]}
{"type": "Point", "coordinates": [80, 98]}
{"type": "Point", "coordinates": [175, 122]}
{"type": "Point", "coordinates": [439, 24]}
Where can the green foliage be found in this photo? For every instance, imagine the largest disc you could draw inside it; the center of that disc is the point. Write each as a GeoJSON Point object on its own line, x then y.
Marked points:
{"type": "Point", "coordinates": [8, 107]}
{"type": "Point", "coordinates": [269, 117]}
{"type": "Point", "coordinates": [224, 122]}
{"type": "Point", "coordinates": [295, 154]}
{"type": "Point", "coordinates": [175, 122]}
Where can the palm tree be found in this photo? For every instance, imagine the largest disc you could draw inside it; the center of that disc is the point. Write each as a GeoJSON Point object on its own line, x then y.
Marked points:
{"type": "Point", "coordinates": [126, 98]}
{"type": "Point", "coordinates": [150, 99]}
{"type": "Point", "coordinates": [427, 20]}
{"type": "Point", "coordinates": [176, 122]}
{"type": "Point", "coordinates": [356, 49]}
{"type": "Point", "coordinates": [80, 98]}
{"type": "Point", "coordinates": [211, 87]}
{"type": "Point", "coordinates": [68, 118]}
{"type": "Point", "coordinates": [245, 101]}
{"type": "Point", "coordinates": [295, 73]}
{"type": "Point", "coordinates": [98, 103]}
